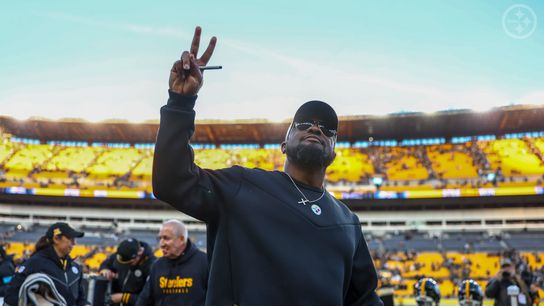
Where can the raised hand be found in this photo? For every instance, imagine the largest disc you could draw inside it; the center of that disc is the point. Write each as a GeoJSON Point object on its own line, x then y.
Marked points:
{"type": "Point", "coordinates": [185, 76]}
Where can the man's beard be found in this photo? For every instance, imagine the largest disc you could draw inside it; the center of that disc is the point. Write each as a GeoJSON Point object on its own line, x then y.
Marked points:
{"type": "Point", "coordinates": [309, 156]}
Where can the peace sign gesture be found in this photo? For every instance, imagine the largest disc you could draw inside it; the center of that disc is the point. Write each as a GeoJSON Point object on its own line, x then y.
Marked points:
{"type": "Point", "coordinates": [185, 76]}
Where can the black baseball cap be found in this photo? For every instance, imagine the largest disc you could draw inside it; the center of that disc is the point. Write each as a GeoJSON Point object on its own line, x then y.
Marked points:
{"type": "Point", "coordinates": [61, 228]}
{"type": "Point", "coordinates": [127, 250]}
{"type": "Point", "coordinates": [317, 110]}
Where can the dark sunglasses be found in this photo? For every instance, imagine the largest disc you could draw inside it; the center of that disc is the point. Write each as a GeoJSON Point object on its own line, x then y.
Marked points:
{"type": "Point", "coordinates": [303, 126]}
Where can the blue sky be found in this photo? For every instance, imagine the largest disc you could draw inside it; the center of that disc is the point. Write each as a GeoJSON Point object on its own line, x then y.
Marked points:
{"type": "Point", "coordinates": [110, 59]}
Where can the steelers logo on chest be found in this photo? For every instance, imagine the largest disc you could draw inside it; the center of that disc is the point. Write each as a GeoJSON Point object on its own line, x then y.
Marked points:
{"type": "Point", "coordinates": [316, 209]}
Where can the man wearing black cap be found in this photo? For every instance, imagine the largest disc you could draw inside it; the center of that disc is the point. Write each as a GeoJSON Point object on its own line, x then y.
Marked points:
{"type": "Point", "coordinates": [274, 238]}
{"type": "Point", "coordinates": [51, 257]}
{"type": "Point", "coordinates": [497, 287]}
{"type": "Point", "coordinates": [128, 270]}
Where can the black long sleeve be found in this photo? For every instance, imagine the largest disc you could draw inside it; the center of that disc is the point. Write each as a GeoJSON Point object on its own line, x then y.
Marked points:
{"type": "Point", "coordinates": [177, 180]}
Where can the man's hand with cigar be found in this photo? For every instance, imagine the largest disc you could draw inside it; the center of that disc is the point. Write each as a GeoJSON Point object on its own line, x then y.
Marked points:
{"type": "Point", "coordinates": [186, 75]}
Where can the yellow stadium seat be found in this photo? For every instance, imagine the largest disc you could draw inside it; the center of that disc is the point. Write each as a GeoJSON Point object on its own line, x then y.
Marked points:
{"type": "Point", "coordinates": [451, 162]}
{"type": "Point", "coordinates": [404, 165]}
{"type": "Point", "coordinates": [29, 157]}
{"type": "Point", "coordinates": [513, 156]}
{"type": "Point", "coordinates": [114, 162]}
{"type": "Point", "coordinates": [350, 165]}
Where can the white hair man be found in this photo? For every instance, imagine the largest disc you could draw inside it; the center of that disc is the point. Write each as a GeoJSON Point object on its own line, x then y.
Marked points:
{"type": "Point", "coordinates": [173, 238]}
{"type": "Point", "coordinates": [180, 277]}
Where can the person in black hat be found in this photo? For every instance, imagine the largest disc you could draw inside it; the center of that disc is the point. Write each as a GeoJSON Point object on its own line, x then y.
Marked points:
{"type": "Point", "coordinates": [274, 237]}
{"type": "Point", "coordinates": [128, 270]}
{"type": "Point", "coordinates": [51, 257]}
{"type": "Point", "coordinates": [7, 268]}
{"type": "Point", "coordinates": [497, 287]}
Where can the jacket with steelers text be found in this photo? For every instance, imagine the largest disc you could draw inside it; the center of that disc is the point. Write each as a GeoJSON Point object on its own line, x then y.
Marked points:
{"type": "Point", "coordinates": [179, 281]}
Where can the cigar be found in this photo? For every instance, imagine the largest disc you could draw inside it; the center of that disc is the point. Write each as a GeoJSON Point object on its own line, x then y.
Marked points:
{"type": "Point", "coordinates": [210, 67]}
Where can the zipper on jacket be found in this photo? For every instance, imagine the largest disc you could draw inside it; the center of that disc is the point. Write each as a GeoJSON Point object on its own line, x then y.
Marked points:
{"type": "Point", "coordinates": [64, 263]}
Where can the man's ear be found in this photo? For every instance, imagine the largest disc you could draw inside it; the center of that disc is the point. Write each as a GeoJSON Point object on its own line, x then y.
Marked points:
{"type": "Point", "coordinates": [283, 147]}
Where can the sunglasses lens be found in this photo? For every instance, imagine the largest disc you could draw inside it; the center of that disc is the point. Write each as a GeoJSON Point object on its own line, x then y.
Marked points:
{"type": "Point", "coordinates": [303, 126]}
{"type": "Point", "coordinates": [327, 132]}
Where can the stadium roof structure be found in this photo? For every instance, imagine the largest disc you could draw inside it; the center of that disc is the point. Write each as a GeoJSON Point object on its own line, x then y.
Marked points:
{"type": "Point", "coordinates": [445, 124]}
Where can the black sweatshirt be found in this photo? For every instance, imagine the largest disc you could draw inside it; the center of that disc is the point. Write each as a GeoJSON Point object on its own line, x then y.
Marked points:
{"type": "Point", "coordinates": [65, 273]}
{"type": "Point", "coordinates": [265, 248]}
{"type": "Point", "coordinates": [180, 281]}
{"type": "Point", "coordinates": [7, 268]}
{"type": "Point", "coordinates": [130, 279]}
{"type": "Point", "coordinates": [497, 289]}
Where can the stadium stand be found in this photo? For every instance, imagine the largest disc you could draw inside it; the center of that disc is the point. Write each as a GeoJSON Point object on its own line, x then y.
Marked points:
{"type": "Point", "coordinates": [452, 161]}
{"type": "Point", "coordinates": [350, 166]}
{"type": "Point", "coordinates": [426, 188]}
{"type": "Point", "coordinates": [512, 157]}
{"type": "Point", "coordinates": [72, 159]}
{"type": "Point", "coordinates": [402, 168]}
{"type": "Point", "coordinates": [404, 164]}
{"type": "Point", "coordinates": [405, 258]}
{"type": "Point", "coordinates": [114, 162]}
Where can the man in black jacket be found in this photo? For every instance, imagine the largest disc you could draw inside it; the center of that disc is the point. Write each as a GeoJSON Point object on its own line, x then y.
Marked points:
{"type": "Point", "coordinates": [180, 277]}
{"type": "Point", "coordinates": [128, 270]}
{"type": "Point", "coordinates": [7, 269]}
{"type": "Point", "coordinates": [497, 287]}
{"type": "Point", "coordinates": [274, 238]}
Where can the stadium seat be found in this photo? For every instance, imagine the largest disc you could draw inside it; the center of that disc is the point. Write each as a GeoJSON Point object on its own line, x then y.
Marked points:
{"type": "Point", "coordinates": [350, 165]}
{"type": "Point", "coordinates": [451, 162]}
{"type": "Point", "coordinates": [75, 159]}
{"type": "Point", "coordinates": [29, 157]}
{"type": "Point", "coordinates": [404, 165]}
{"type": "Point", "coordinates": [513, 156]}
{"type": "Point", "coordinates": [114, 162]}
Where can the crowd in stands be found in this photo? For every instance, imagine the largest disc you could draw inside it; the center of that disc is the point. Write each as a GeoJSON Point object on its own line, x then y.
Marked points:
{"type": "Point", "coordinates": [474, 164]}
{"type": "Point", "coordinates": [403, 269]}
{"type": "Point", "coordinates": [450, 258]}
